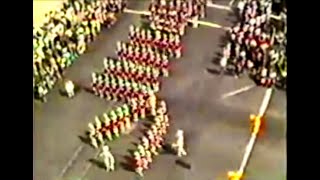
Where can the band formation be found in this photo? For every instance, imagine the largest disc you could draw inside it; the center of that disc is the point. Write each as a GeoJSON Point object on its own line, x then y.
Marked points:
{"type": "Point", "coordinates": [133, 78]}
{"type": "Point", "coordinates": [256, 46]}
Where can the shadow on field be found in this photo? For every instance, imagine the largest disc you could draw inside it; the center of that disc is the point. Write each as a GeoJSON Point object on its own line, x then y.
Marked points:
{"type": "Point", "coordinates": [127, 164]}
{"type": "Point", "coordinates": [84, 140]}
{"type": "Point", "coordinates": [97, 163]}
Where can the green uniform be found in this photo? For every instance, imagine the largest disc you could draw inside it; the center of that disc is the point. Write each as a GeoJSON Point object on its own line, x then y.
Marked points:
{"type": "Point", "coordinates": [155, 72]}
{"type": "Point", "coordinates": [35, 71]}
{"type": "Point", "coordinates": [133, 67]}
{"type": "Point", "coordinates": [125, 66]}
{"type": "Point", "coordinates": [121, 82]}
{"type": "Point", "coordinates": [134, 86]}
{"type": "Point", "coordinates": [80, 31]}
{"type": "Point", "coordinates": [283, 69]}
{"type": "Point", "coordinates": [106, 63]}
{"type": "Point", "coordinates": [148, 71]}
{"type": "Point", "coordinates": [126, 110]}
{"type": "Point", "coordinates": [93, 28]}
{"type": "Point", "coordinates": [35, 43]}
{"type": "Point", "coordinates": [113, 82]}
{"type": "Point", "coordinates": [140, 70]}
{"type": "Point", "coordinates": [143, 88]}
{"type": "Point", "coordinates": [112, 65]}
{"type": "Point", "coordinates": [151, 88]}
{"type": "Point", "coordinates": [113, 116]}
{"type": "Point", "coordinates": [118, 66]}
{"type": "Point", "coordinates": [127, 84]}
{"type": "Point", "coordinates": [120, 113]}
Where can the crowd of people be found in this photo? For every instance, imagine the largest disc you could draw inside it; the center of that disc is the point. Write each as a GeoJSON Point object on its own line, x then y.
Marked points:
{"type": "Point", "coordinates": [257, 44]}
{"type": "Point", "coordinates": [65, 35]}
{"type": "Point", "coordinates": [133, 78]}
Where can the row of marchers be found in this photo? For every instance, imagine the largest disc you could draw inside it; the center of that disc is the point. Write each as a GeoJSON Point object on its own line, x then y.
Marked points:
{"type": "Point", "coordinates": [133, 78]}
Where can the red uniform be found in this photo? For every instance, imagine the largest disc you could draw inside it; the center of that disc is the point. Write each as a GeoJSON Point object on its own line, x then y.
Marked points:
{"type": "Point", "coordinates": [138, 162]}
{"type": "Point", "coordinates": [162, 44]}
{"type": "Point", "coordinates": [149, 41]}
{"type": "Point", "coordinates": [156, 43]}
{"type": "Point", "coordinates": [144, 163]}
{"type": "Point", "coordinates": [158, 141]}
{"type": "Point", "coordinates": [265, 43]}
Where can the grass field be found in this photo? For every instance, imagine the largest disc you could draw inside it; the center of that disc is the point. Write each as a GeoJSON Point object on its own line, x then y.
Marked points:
{"type": "Point", "coordinates": [41, 7]}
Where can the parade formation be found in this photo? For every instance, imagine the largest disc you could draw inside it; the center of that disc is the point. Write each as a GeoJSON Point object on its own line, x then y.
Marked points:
{"type": "Point", "coordinates": [256, 46]}
{"type": "Point", "coordinates": [133, 78]}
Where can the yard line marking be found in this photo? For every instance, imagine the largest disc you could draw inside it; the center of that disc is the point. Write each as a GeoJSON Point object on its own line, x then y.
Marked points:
{"type": "Point", "coordinates": [71, 160]}
{"type": "Point", "coordinates": [205, 23]}
{"type": "Point", "coordinates": [249, 149]}
{"type": "Point", "coordinates": [132, 11]}
{"type": "Point", "coordinates": [210, 24]}
{"type": "Point", "coordinates": [217, 6]}
{"type": "Point", "coordinates": [89, 165]}
{"type": "Point", "coordinates": [238, 91]}
{"type": "Point", "coordinates": [75, 155]}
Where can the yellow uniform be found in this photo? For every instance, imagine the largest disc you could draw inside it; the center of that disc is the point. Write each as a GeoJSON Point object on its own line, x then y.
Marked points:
{"type": "Point", "coordinates": [153, 149]}
{"type": "Point", "coordinates": [100, 137]}
{"type": "Point", "coordinates": [255, 124]}
{"type": "Point", "coordinates": [234, 175]}
{"type": "Point", "coordinates": [152, 101]}
{"type": "Point", "coordinates": [145, 142]}
{"type": "Point", "coordinates": [148, 156]}
{"type": "Point", "coordinates": [122, 127]}
{"type": "Point", "coordinates": [106, 122]}
{"type": "Point", "coordinates": [127, 123]}
{"type": "Point", "coordinates": [115, 131]}
{"type": "Point", "coordinates": [98, 123]}
{"type": "Point", "coordinates": [92, 133]}
{"type": "Point", "coordinates": [141, 150]}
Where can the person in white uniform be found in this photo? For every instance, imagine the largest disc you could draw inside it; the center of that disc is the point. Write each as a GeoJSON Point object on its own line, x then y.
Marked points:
{"type": "Point", "coordinates": [108, 158]}
{"type": "Point", "coordinates": [178, 145]}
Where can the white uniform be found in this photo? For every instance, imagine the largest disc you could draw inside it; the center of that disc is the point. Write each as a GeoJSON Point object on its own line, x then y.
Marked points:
{"type": "Point", "coordinates": [92, 132]}
{"type": "Point", "coordinates": [69, 88]}
{"type": "Point", "coordinates": [105, 63]}
{"type": "Point", "coordinates": [240, 7]}
{"type": "Point", "coordinates": [162, 108]}
{"type": "Point", "coordinates": [225, 57]}
{"type": "Point", "coordinates": [97, 122]}
{"type": "Point", "coordinates": [223, 62]}
{"type": "Point", "coordinates": [42, 91]}
{"type": "Point", "coordinates": [100, 138]}
{"type": "Point", "coordinates": [152, 103]}
{"type": "Point", "coordinates": [108, 158]}
{"type": "Point", "coordinates": [179, 144]}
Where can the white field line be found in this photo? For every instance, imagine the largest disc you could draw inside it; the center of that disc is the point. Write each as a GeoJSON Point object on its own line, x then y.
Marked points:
{"type": "Point", "coordinates": [217, 6]}
{"type": "Point", "coordinates": [249, 148]}
{"type": "Point", "coordinates": [205, 23]}
{"type": "Point", "coordinates": [238, 91]}
{"type": "Point", "coordinates": [89, 165]}
{"type": "Point", "coordinates": [74, 156]}
{"type": "Point", "coordinates": [70, 162]}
